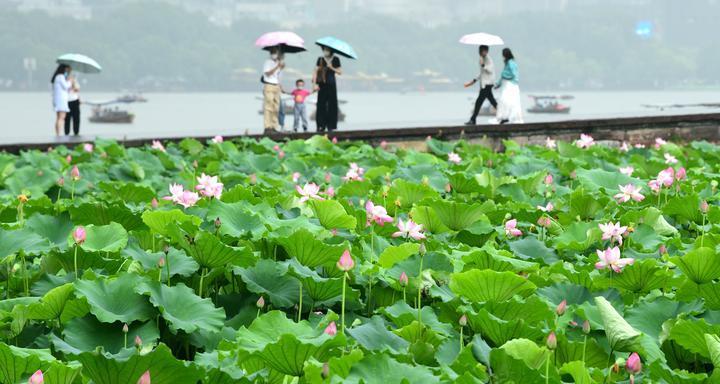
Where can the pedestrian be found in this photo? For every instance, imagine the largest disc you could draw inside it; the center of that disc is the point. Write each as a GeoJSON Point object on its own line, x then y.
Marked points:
{"type": "Point", "coordinates": [326, 68]}
{"type": "Point", "coordinates": [509, 108]}
{"type": "Point", "coordinates": [73, 116]}
{"type": "Point", "coordinates": [487, 80]}
{"type": "Point", "coordinates": [61, 86]}
{"type": "Point", "coordinates": [299, 111]}
{"type": "Point", "coordinates": [272, 70]}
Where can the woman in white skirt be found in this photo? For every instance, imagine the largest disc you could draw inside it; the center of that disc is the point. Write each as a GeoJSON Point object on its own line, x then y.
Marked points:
{"type": "Point", "coordinates": [61, 86]}
{"type": "Point", "coordinates": [509, 109]}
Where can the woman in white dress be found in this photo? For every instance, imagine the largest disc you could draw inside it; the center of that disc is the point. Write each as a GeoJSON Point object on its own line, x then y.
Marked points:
{"type": "Point", "coordinates": [61, 86]}
{"type": "Point", "coordinates": [509, 109]}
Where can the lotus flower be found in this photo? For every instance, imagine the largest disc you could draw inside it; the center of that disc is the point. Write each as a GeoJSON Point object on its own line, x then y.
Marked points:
{"type": "Point", "coordinates": [610, 258]}
{"type": "Point", "coordinates": [544, 222]}
{"type": "Point", "coordinates": [376, 213]}
{"type": "Point", "coordinates": [704, 207]}
{"type": "Point", "coordinates": [209, 186]}
{"type": "Point", "coordinates": [624, 147]}
{"type": "Point", "coordinates": [330, 192]}
{"type": "Point", "coordinates": [36, 378]}
{"type": "Point", "coordinates": [145, 378]}
{"type": "Point", "coordinates": [383, 144]}
{"type": "Point", "coordinates": [627, 170]}
{"type": "Point", "coordinates": [295, 177]}
{"type": "Point", "coordinates": [551, 341]}
{"type": "Point", "coordinates": [334, 140]}
{"type": "Point", "coordinates": [281, 155]}
{"type": "Point", "coordinates": [79, 235]}
{"type": "Point", "coordinates": [633, 363]}
{"type": "Point", "coordinates": [354, 173]}
{"type": "Point", "coordinates": [61, 181]}
{"type": "Point", "coordinates": [156, 144]}
{"type": "Point", "coordinates": [654, 185]}
{"type": "Point", "coordinates": [331, 329]}
{"type": "Point", "coordinates": [276, 148]}
{"type": "Point", "coordinates": [560, 309]}
{"type": "Point", "coordinates": [87, 147]}
{"type": "Point", "coordinates": [125, 328]}
{"type": "Point", "coordinates": [613, 231]}
{"type": "Point", "coordinates": [586, 327]}
{"type": "Point", "coordinates": [659, 142]}
{"type": "Point", "coordinates": [548, 179]}
{"type": "Point", "coordinates": [138, 341]}
{"type": "Point", "coordinates": [409, 229]}
{"type": "Point", "coordinates": [188, 199]}
{"type": "Point", "coordinates": [511, 228]}
{"type": "Point", "coordinates": [670, 159]}
{"type": "Point", "coordinates": [217, 139]}
{"type": "Point", "coordinates": [309, 191]}
{"type": "Point", "coordinates": [547, 208]}
{"type": "Point", "coordinates": [463, 320]}
{"type": "Point", "coordinates": [403, 279]}
{"type": "Point", "coordinates": [154, 203]}
{"type": "Point", "coordinates": [260, 302]}
{"type": "Point", "coordinates": [346, 262]}
{"type": "Point", "coordinates": [639, 146]}
{"type": "Point", "coordinates": [585, 141]}
{"type": "Point", "coordinates": [454, 158]}
{"type": "Point", "coordinates": [550, 143]}
{"type": "Point", "coordinates": [666, 177]}
{"type": "Point", "coordinates": [681, 174]}
{"type": "Point", "coordinates": [629, 192]}
{"type": "Point", "coordinates": [328, 177]}
{"type": "Point", "coordinates": [75, 173]}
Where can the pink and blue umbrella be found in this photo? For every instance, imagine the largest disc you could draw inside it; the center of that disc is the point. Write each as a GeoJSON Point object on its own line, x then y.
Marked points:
{"type": "Point", "coordinates": [288, 42]}
{"type": "Point", "coordinates": [338, 46]}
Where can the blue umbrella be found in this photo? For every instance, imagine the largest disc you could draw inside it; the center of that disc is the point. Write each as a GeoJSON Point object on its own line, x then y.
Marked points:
{"type": "Point", "coordinates": [337, 45]}
{"type": "Point", "coordinates": [80, 63]}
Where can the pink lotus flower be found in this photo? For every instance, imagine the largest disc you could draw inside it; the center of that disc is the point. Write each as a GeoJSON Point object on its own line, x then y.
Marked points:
{"type": "Point", "coordinates": [36, 378]}
{"type": "Point", "coordinates": [61, 181]}
{"type": "Point", "coordinates": [454, 158]}
{"type": "Point", "coordinates": [281, 155]}
{"type": "Point", "coordinates": [295, 177]}
{"type": "Point", "coordinates": [154, 203]}
{"type": "Point", "coordinates": [309, 191]}
{"type": "Point", "coordinates": [613, 231]}
{"type": "Point", "coordinates": [328, 177]}
{"type": "Point", "coordinates": [330, 192]}
{"type": "Point", "coordinates": [409, 229]}
{"type": "Point", "coordinates": [666, 177]}
{"type": "Point", "coordinates": [659, 142]}
{"type": "Point", "coordinates": [627, 170]}
{"type": "Point", "coordinates": [654, 185]}
{"type": "Point", "coordinates": [550, 143]}
{"type": "Point", "coordinates": [681, 174]}
{"type": "Point", "coordinates": [331, 329]}
{"type": "Point", "coordinates": [547, 208]}
{"type": "Point", "coordinates": [145, 378]}
{"type": "Point", "coordinates": [156, 144]}
{"type": "Point", "coordinates": [511, 228]}
{"type": "Point", "coordinates": [633, 363]}
{"type": "Point", "coordinates": [560, 310]}
{"type": "Point", "coordinates": [346, 261]}
{"type": "Point", "coordinates": [610, 258]}
{"type": "Point", "coordinates": [209, 186]}
{"type": "Point", "coordinates": [260, 302]}
{"type": "Point", "coordinates": [624, 147]}
{"type": "Point", "coordinates": [639, 146]}
{"type": "Point", "coordinates": [75, 173]}
{"type": "Point", "coordinates": [585, 141]}
{"type": "Point", "coordinates": [354, 173]}
{"type": "Point", "coordinates": [79, 235]}
{"type": "Point", "coordinates": [276, 148]}
{"type": "Point", "coordinates": [670, 159]}
{"type": "Point", "coordinates": [704, 207]}
{"type": "Point", "coordinates": [217, 139]}
{"type": "Point", "coordinates": [548, 179]}
{"type": "Point", "coordinates": [403, 279]}
{"type": "Point", "coordinates": [138, 341]}
{"type": "Point", "coordinates": [463, 320]}
{"type": "Point", "coordinates": [179, 195]}
{"type": "Point", "coordinates": [629, 192]}
{"type": "Point", "coordinates": [87, 147]}
{"type": "Point", "coordinates": [544, 222]}
{"type": "Point", "coordinates": [334, 140]}
{"type": "Point", "coordinates": [376, 213]}
{"type": "Point", "coordinates": [383, 144]}
{"type": "Point", "coordinates": [68, 159]}
{"type": "Point", "coordinates": [253, 179]}
{"type": "Point", "coordinates": [551, 341]}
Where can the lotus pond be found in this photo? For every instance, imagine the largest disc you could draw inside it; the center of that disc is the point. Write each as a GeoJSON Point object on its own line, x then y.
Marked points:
{"type": "Point", "coordinates": [323, 262]}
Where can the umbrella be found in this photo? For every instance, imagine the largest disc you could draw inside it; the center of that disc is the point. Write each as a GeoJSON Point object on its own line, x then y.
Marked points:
{"type": "Point", "coordinates": [289, 42]}
{"type": "Point", "coordinates": [79, 63]}
{"type": "Point", "coordinates": [481, 39]}
{"type": "Point", "coordinates": [337, 45]}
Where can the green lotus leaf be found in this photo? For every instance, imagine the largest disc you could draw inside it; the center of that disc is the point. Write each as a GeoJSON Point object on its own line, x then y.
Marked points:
{"type": "Point", "coordinates": [103, 238]}
{"type": "Point", "coordinates": [713, 346]}
{"type": "Point", "coordinates": [430, 220]}
{"type": "Point", "coordinates": [402, 315]}
{"type": "Point", "coordinates": [527, 351]}
{"type": "Point", "coordinates": [649, 316]}
{"type": "Point", "coordinates": [458, 216]}
{"type": "Point", "coordinates": [55, 229]}
{"type": "Point", "coordinates": [646, 238]}
{"type": "Point", "coordinates": [339, 366]}
{"type": "Point", "coordinates": [661, 373]}
{"type": "Point", "coordinates": [309, 250]}
{"type": "Point", "coordinates": [641, 277]}
{"type": "Point", "coordinates": [128, 366]}
{"type": "Point", "coordinates": [571, 293]}
{"type": "Point", "coordinates": [52, 305]}
{"type": "Point", "coordinates": [31, 179]}
{"type": "Point", "coordinates": [486, 285]}
{"type": "Point", "coordinates": [500, 331]}
{"type": "Point", "coordinates": [701, 265]}
{"type": "Point", "coordinates": [270, 278]}
{"type": "Point", "coordinates": [383, 369]}
{"type": "Point", "coordinates": [25, 240]}
{"type": "Point", "coordinates": [175, 260]}
{"type": "Point", "coordinates": [578, 236]}
{"type": "Point", "coordinates": [578, 371]}
{"type": "Point", "coordinates": [129, 192]}
{"type": "Point", "coordinates": [621, 335]}
{"type": "Point", "coordinates": [568, 351]}
{"type": "Point", "coordinates": [104, 214]}
{"type": "Point", "coordinates": [18, 364]}
{"type": "Point", "coordinates": [180, 306]}
{"type": "Point", "coordinates": [408, 193]}
{"type": "Point", "coordinates": [461, 183]}
{"type": "Point", "coordinates": [690, 334]}
{"type": "Point", "coordinates": [86, 334]}
{"type": "Point", "coordinates": [114, 299]}
{"type": "Point", "coordinates": [595, 179]}
{"type": "Point", "coordinates": [211, 252]}
{"type": "Point", "coordinates": [236, 220]}
{"type": "Point", "coordinates": [331, 214]}
{"type": "Point", "coordinates": [497, 260]}
{"type": "Point", "coordinates": [532, 248]}
{"type": "Point", "coordinates": [158, 221]}
{"type": "Point", "coordinates": [373, 335]}
{"type": "Point", "coordinates": [394, 254]}
{"type": "Point", "coordinates": [507, 369]}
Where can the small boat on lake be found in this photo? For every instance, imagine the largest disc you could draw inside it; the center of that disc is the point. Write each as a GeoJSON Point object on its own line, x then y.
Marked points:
{"type": "Point", "coordinates": [111, 115]}
{"type": "Point", "coordinates": [549, 104]}
{"type": "Point", "coordinates": [132, 98]}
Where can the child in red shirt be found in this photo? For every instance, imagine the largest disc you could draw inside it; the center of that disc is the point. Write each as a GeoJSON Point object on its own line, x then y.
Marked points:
{"type": "Point", "coordinates": [300, 113]}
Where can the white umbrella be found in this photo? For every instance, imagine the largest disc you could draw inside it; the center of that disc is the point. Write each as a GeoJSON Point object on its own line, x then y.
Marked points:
{"type": "Point", "coordinates": [80, 63]}
{"type": "Point", "coordinates": [481, 39]}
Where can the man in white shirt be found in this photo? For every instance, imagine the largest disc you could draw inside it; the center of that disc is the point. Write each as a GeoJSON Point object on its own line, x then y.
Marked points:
{"type": "Point", "coordinates": [487, 80]}
{"type": "Point", "coordinates": [272, 70]}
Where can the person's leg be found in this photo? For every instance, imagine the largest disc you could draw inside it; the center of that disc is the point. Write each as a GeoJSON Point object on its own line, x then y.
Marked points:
{"type": "Point", "coordinates": [267, 107]}
{"type": "Point", "coordinates": [332, 108]}
{"type": "Point", "coordinates": [303, 116]}
{"type": "Point", "coordinates": [321, 113]}
{"type": "Point", "coordinates": [478, 104]}
{"type": "Point", "coordinates": [490, 96]}
{"type": "Point", "coordinates": [59, 122]}
{"type": "Point", "coordinates": [75, 108]}
{"type": "Point", "coordinates": [281, 115]}
{"type": "Point", "coordinates": [296, 116]}
{"type": "Point", "coordinates": [68, 118]}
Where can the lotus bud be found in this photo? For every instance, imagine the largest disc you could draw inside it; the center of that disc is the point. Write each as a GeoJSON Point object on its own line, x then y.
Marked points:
{"type": "Point", "coordinates": [489, 163]}
{"type": "Point", "coordinates": [616, 368]}
{"type": "Point", "coordinates": [422, 250]}
{"type": "Point", "coordinates": [87, 147]}
{"type": "Point", "coordinates": [403, 279]}
{"type": "Point", "coordinates": [448, 187]}
{"type": "Point", "coordinates": [195, 164]}
{"type": "Point", "coordinates": [704, 207]}
{"type": "Point", "coordinates": [281, 155]}
{"type": "Point", "coordinates": [681, 174]}
{"type": "Point", "coordinates": [551, 341]}
{"type": "Point", "coordinates": [22, 198]}
{"type": "Point", "coordinates": [544, 222]}
{"type": "Point", "coordinates": [663, 249]}
{"type": "Point", "coordinates": [125, 328]}
{"type": "Point", "coordinates": [68, 159]}
{"type": "Point", "coordinates": [161, 262]}
{"type": "Point", "coordinates": [425, 181]}
{"type": "Point", "coordinates": [328, 177]}
{"type": "Point", "coordinates": [218, 222]}
{"type": "Point", "coordinates": [346, 262]}
{"type": "Point", "coordinates": [326, 370]}
{"type": "Point", "coordinates": [397, 202]}
{"type": "Point", "coordinates": [560, 310]}
{"type": "Point", "coordinates": [334, 231]}
{"type": "Point", "coordinates": [331, 329]}
{"type": "Point", "coordinates": [586, 327]}
{"type": "Point", "coordinates": [428, 138]}
{"type": "Point", "coordinates": [36, 378]}
{"type": "Point", "coordinates": [138, 341]}
{"type": "Point", "coordinates": [573, 323]}
{"type": "Point", "coordinates": [633, 364]}
{"type": "Point", "coordinates": [383, 144]}
{"type": "Point", "coordinates": [253, 179]}
{"type": "Point", "coordinates": [334, 140]}
{"type": "Point", "coordinates": [463, 320]}
{"type": "Point", "coordinates": [260, 302]}
{"type": "Point", "coordinates": [79, 235]}
{"type": "Point", "coordinates": [154, 203]}
{"type": "Point", "coordinates": [103, 155]}
{"type": "Point", "coordinates": [573, 175]}
{"type": "Point", "coordinates": [145, 378]}
{"type": "Point", "coordinates": [75, 173]}
{"type": "Point", "coordinates": [276, 148]}
{"type": "Point", "coordinates": [548, 179]}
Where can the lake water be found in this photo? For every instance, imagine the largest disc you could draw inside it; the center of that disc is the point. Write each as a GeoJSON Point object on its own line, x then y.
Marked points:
{"type": "Point", "coordinates": [27, 117]}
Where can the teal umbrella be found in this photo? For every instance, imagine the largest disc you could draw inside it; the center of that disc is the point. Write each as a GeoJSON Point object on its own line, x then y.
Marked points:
{"type": "Point", "coordinates": [337, 45]}
{"type": "Point", "coordinates": [80, 63]}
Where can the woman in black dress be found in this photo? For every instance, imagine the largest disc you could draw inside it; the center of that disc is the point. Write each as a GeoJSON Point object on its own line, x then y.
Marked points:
{"type": "Point", "coordinates": [326, 68]}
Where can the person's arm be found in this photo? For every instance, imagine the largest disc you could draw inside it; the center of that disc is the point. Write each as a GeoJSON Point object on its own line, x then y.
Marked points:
{"type": "Point", "coordinates": [65, 83]}
{"type": "Point", "coordinates": [337, 69]}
